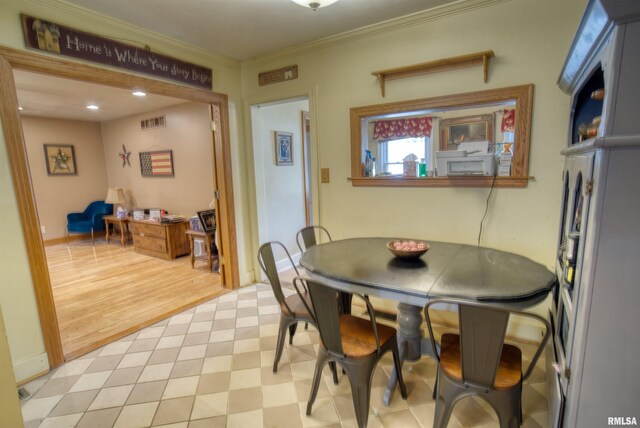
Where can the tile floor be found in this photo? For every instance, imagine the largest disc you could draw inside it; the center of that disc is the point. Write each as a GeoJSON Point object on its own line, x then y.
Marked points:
{"type": "Point", "coordinates": [211, 366]}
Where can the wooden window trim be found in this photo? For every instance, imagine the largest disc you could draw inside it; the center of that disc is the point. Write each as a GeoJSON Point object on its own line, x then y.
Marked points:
{"type": "Point", "coordinates": [523, 95]}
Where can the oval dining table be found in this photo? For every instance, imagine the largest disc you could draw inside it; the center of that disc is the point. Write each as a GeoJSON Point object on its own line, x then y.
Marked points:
{"type": "Point", "coordinates": [466, 272]}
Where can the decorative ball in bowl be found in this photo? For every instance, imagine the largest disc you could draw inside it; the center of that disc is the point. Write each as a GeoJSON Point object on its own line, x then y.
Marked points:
{"type": "Point", "coordinates": [407, 249]}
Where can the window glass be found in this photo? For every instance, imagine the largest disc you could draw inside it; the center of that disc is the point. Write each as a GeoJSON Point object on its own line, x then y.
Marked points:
{"type": "Point", "coordinates": [394, 151]}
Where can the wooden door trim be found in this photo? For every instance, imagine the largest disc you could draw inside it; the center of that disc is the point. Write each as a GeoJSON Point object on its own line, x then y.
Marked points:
{"type": "Point", "coordinates": [46, 64]}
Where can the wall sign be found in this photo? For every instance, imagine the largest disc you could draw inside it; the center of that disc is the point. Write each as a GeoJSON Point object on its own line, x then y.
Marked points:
{"type": "Point", "coordinates": [54, 38]}
{"type": "Point", "coordinates": [280, 75]}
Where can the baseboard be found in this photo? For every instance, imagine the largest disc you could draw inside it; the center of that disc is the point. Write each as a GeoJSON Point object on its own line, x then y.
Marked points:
{"type": "Point", "coordinates": [31, 368]}
{"type": "Point", "coordinates": [72, 238]}
{"type": "Point", "coordinates": [284, 264]}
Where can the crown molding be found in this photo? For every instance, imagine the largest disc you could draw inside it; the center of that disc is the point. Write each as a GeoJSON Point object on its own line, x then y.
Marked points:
{"type": "Point", "coordinates": [84, 19]}
{"type": "Point", "coordinates": [418, 18]}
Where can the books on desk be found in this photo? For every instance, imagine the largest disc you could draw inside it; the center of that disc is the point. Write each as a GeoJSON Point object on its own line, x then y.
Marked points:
{"type": "Point", "coordinates": [173, 219]}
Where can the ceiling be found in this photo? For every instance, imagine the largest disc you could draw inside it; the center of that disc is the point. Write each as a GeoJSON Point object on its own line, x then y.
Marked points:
{"type": "Point", "coordinates": [240, 29]}
{"type": "Point", "coordinates": [54, 97]}
{"type": "Point", "coordinates": [244, 29]}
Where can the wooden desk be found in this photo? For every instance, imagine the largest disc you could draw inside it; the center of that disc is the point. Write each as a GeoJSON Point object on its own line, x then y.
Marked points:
{"type": "Point", "coordinates": [208, 238]}
{"type": "Point", "coordinates": [121, 222]}
{"type": "Point", "coordinates": [162, 240]}
{"type": "Point", "coordinates": [366, 266]}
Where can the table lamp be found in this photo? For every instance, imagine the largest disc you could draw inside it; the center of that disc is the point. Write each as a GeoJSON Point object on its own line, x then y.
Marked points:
{"type": "Point", "coordinates": [116, 196]}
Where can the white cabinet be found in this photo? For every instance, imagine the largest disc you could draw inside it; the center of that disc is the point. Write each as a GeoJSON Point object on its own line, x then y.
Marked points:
{"type": "Point", "coordinates": [596, 311]}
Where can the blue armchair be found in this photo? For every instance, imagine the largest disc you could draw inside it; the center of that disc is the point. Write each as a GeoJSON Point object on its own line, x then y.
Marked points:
{"type": "Point", "coordinates": [90, 220]}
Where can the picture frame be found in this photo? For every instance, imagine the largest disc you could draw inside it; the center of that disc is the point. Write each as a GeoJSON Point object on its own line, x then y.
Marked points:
{"type": "Point", "coordinates": [465, 129]}
{"type": "Point", "coordinates": [155, 214]}
{"type": "Point", "coordinates": [283, 143]}
{"type": "Point", "coordinates": [157, 164]}
{"type": "Point", "coordinates": [138, 214]}
{"type": "Point", "coordinates": [60, 159]}
{"type": "Point", "coordinates": [208, 220]}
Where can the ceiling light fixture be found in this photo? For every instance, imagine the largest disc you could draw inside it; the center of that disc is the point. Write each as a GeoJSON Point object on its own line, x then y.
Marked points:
{"type": "Point", "coordinates": [139, 93]}
{"type": "Point", "coordinates": [93, 107]}
{"type": "Point", "coordinates": [314, 4]}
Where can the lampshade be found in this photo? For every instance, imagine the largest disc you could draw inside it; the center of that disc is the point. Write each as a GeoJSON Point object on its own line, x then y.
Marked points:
{"type": "Point", "coordinates": [314, 4]}
{"type": "Point", "coordinates": [115, 196]}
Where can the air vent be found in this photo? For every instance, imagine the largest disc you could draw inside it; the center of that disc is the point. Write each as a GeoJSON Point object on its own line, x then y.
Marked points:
{"type": "Point", "coordinates": [153, 122]}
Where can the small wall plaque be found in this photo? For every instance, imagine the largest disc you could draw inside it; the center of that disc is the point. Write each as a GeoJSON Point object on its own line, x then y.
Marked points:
{"type": "Point", "coordinates": [276, 76]}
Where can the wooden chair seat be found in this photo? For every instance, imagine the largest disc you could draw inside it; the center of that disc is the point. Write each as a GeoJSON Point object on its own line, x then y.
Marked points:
{"type": "Point", "coordinates": [509, 371]}
{"type": "Point", "coordinates": [297, 306]}
{"type": "Point", "coordinates": [358, 339]}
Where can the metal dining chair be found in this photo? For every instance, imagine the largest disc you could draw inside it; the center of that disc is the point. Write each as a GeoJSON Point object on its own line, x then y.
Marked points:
{"type": "Point", "coordinates": [356, 344]}
{"type": "Point", "coordinates": [308, 236]}
{"type": "Point", "coordinates": [293, 308]}
{"type": "Point", "coordinates": [478, 362]}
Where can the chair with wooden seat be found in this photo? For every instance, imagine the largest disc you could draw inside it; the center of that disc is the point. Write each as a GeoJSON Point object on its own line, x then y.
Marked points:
{"type": "Point", "coordinates": [293, 308]}
{"type": "Point", "coordinates": [478, 362]}
{"type": "Point", "coordinates": [308, 236]}
{"type": "Point", "coordinates": [356, 344]}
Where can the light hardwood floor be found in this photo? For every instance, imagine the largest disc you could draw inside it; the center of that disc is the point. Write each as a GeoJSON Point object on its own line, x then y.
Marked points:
{"type": "Point", "coordinates": [106, 292]}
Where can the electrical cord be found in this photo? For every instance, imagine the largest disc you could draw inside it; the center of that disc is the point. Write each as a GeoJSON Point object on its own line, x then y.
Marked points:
{"type": "Point", "coordinates": [486, 209]}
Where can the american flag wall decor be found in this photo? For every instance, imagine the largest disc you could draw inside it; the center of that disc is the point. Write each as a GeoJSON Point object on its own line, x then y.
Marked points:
{"type": "Point", "coordinates": [156, 164]}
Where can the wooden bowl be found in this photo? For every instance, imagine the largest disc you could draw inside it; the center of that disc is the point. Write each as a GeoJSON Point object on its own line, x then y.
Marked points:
{"type": "Point", "coordinates": [407, 254]}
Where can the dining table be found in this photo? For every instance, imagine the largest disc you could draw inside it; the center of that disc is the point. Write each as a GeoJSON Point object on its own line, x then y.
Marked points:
{"type": "Point", "coordinates": [446, 270]}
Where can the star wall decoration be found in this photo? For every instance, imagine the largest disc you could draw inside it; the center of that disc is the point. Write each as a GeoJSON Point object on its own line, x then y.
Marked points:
{"type": "Point", "coordinates": [125, 156]}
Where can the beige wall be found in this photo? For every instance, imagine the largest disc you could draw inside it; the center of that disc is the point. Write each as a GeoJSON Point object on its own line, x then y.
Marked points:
{"type": "Point", "coordinates": [56, 196]}
{"type": "Point", "coordinates": [530, 40]}
{"type": "Point", "coordinates": [188, 135]}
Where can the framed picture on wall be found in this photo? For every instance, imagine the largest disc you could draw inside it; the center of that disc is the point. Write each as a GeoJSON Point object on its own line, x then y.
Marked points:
{"type": "Point", "coordinates": [156, 164]}
{"type": "Point", "coordinates": [464, 130]}
{"type": "Point", "coordinates": [60, 159]}
{"type": "Point", "coordinates": [283, 142]}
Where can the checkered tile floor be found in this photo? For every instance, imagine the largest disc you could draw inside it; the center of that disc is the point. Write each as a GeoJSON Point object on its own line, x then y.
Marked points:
{"type": "Point", "coordinates": [211, 366]}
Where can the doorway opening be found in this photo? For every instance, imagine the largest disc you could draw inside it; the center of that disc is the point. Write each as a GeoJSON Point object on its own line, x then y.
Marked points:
{"type": "Point", "coordinates": [283, 191]}
{"type": "Point", "coordinates": [11, 59]}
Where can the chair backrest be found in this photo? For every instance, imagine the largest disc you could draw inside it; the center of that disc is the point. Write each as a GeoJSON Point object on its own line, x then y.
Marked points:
{"type": "Point", "coordinates": [101, 208]}
{"type": "Point", "coordinates": [325, 313]}
{"type": "Point", "coordinates": [267, 261]}
{"type": "Point", "coordinates": [306, 237]}
{"type": "Point", "coordinates": [98, 207]}
{"type": "Point", "coordinates": [482, 329]}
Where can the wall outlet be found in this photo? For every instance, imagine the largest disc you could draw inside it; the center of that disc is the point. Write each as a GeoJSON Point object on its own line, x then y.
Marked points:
{"type": "Point", "coordinates": [43, 230]}
{"type": "Point", "coordinates": [324, 175]}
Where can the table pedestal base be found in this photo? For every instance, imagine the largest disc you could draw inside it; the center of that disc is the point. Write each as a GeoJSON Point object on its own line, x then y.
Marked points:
{"type": "Point", "coordinates": [411, 342]}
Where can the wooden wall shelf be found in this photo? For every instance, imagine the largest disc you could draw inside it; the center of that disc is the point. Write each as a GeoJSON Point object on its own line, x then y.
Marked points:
{"type": "Point", "coordinates": [445, 64]}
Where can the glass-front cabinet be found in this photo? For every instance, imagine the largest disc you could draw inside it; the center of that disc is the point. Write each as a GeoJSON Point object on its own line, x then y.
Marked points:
{"type": "Point", "coordinates": [592, 363]}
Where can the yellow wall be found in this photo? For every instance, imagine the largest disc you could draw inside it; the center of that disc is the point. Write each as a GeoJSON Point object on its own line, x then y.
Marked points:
{"type": "Point", "coordinates": [10, 415]}
{"type": "Point", "coordinates": [530, 40]}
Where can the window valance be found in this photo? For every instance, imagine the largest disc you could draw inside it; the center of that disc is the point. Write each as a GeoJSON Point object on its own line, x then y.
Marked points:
{"type": "Point", "coordinates": [402, 128]}
{"type": "Point", "coordinates": [508, 120]}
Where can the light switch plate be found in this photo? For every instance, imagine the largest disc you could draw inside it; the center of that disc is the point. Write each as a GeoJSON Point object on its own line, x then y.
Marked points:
{"type": "Point", "coordinates": [324, 175]}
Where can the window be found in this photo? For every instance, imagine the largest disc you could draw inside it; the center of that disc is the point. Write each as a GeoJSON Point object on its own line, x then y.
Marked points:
{"type": "Point", "coordinates": [393, 152]}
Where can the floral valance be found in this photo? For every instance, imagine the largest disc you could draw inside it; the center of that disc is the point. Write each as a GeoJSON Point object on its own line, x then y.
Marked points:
{"type": "Point", "coordinates": [508, 120]}
{"type": "Point", "coordinates": [402, 128]}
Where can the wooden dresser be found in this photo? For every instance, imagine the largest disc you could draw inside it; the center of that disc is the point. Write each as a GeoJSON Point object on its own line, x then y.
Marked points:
{"type": "Point", "coordinates": [165, 241]}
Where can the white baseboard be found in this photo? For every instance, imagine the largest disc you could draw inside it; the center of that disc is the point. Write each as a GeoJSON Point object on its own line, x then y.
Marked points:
{"type": "Point", "coordinates": [31, 367]}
